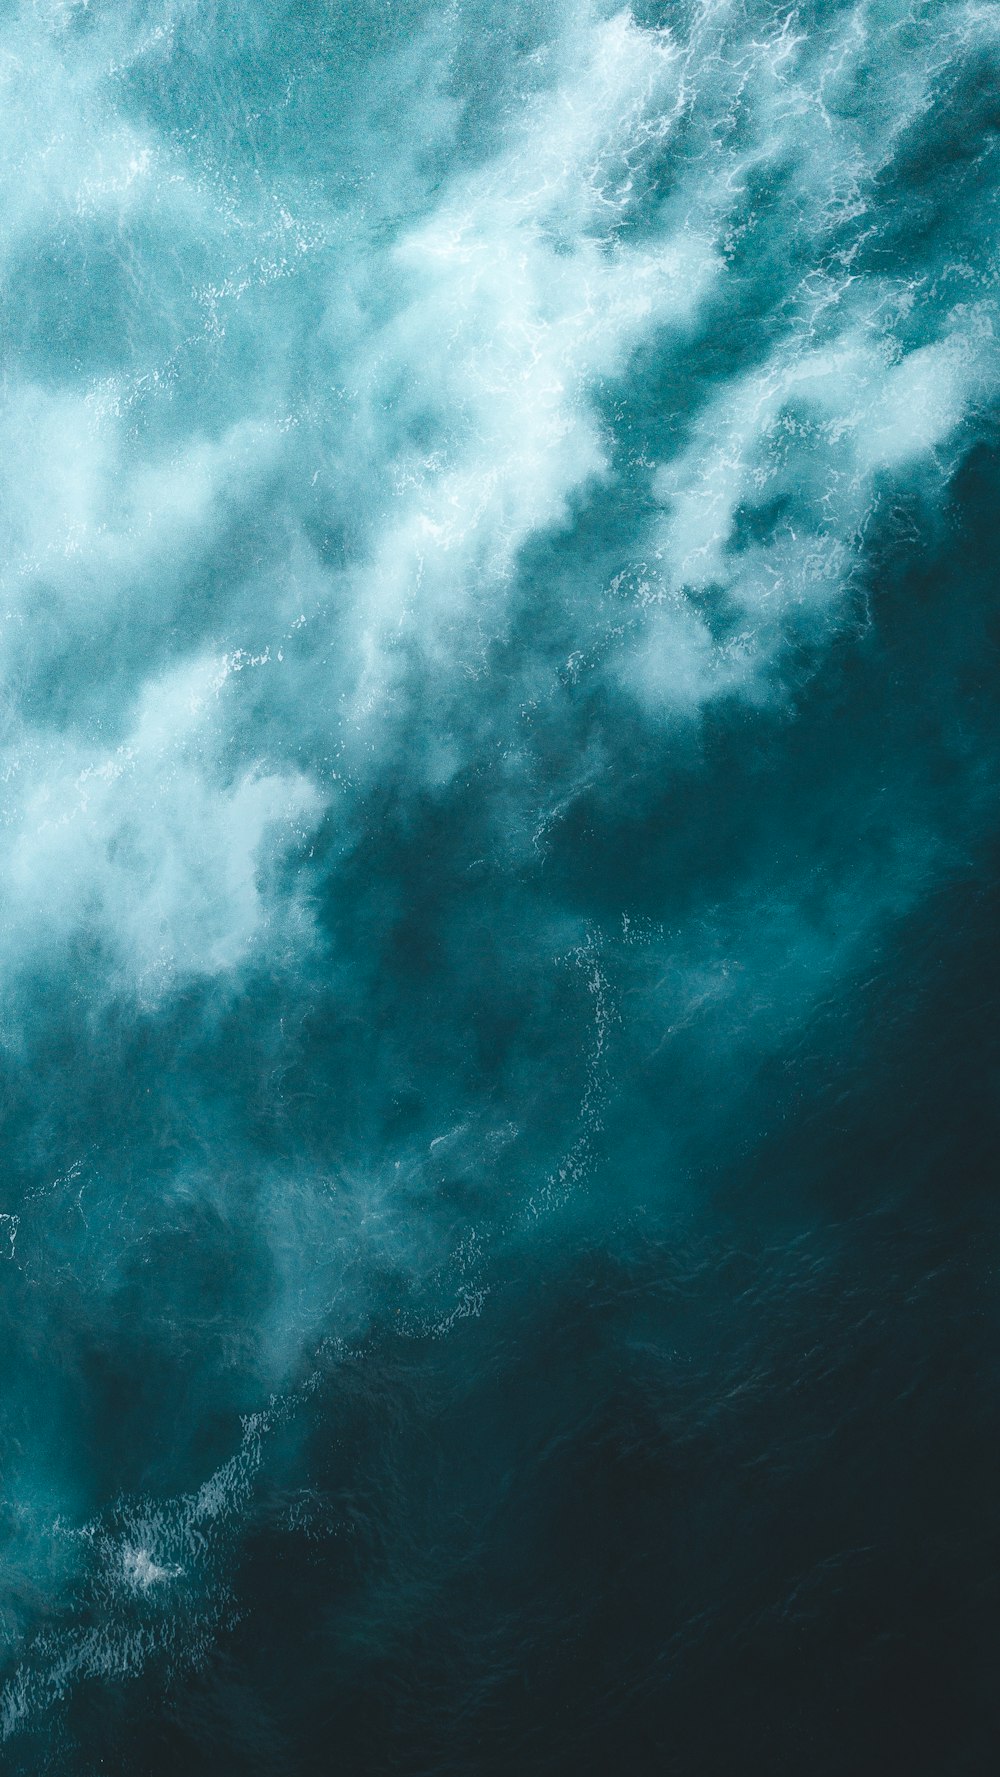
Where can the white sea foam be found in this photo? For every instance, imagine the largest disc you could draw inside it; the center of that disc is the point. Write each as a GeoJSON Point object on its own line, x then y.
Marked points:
{"type": "Point", "coordinates": [475, 403]}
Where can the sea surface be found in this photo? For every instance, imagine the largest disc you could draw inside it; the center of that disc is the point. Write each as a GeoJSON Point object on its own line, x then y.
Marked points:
{"type": "Point", "coordinates": [499, 891]}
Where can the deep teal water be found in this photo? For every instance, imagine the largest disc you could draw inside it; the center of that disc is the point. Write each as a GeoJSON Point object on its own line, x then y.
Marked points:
{"type": "Point", "coordinates": [498, 890]}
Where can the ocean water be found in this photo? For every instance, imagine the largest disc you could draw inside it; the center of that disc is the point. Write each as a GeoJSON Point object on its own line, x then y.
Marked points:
{"type": "Point", "coordinates": [499, 540]}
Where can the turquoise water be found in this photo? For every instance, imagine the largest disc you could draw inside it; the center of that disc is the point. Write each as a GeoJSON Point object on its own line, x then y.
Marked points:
{"type": "Point", "coordinates": [498, 1236]}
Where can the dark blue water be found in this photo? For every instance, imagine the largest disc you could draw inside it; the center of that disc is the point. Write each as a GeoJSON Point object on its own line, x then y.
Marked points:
{"type": "Point", "coordinates": [499, 536]}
